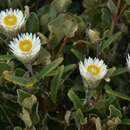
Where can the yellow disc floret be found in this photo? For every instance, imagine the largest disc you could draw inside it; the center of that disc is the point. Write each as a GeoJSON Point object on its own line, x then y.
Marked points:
{"type": "Point", "coordinates": [93, 69]}
{"type": "Point", "coordinates": [25, 45]}
{"type": "Point", "coordinates": [10, 20]}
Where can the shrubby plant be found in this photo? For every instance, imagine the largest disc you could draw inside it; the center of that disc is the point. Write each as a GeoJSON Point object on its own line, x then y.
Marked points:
{"type": "Point", "coordinates": [64, 65]}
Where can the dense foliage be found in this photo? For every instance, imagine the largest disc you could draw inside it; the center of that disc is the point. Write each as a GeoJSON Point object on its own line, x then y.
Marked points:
{"type": "Point", "coordinates": [52, 95]}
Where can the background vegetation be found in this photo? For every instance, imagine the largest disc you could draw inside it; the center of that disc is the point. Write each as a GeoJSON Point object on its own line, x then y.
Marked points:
{"type": "Point", "coordinates": [53, 98]}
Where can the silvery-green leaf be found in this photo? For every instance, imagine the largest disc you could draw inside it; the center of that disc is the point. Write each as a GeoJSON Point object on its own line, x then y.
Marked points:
{"type": "Point", "coordinates": [61, 5]}
{"type": "Point", "coordinates": [114, 112]}
{"type": "Point", "coordinates": [25, 116]}
{"type": "Point", "coordinates": [98, 124]}
{"type": "Point", "coordinates": [127, 2]}
{"type": "Point", "coordinates": [22, 95]}
{"type": "Point", "coordinates": [17, 128]}
{"type": "Point", "coordinates": [21, 81]}
{"type": "Point", "coordinates": [35, 115]}
{"type": "Point", "coordinates": [112, 7]}
{"type": "Point", "coordinates": [29, 102]}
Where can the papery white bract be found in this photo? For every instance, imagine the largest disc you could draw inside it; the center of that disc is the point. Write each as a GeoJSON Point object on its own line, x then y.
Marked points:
{"type": "Point", "coordinates": [12, 20]}
{"type": "Point", "coordinates": [128, 62]}
{"type": "Point", "coordinates": [25, 47]}
{"type": "Point", "coordinates": [92, 71]}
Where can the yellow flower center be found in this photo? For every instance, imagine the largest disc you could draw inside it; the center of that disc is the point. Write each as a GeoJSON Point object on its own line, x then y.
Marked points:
{"type": "Point", "coordinates": [10, 20]}
{"type": "Point", "coordinates": [93, 69]}
{"type": "Point", "coordinates": [25, 45]}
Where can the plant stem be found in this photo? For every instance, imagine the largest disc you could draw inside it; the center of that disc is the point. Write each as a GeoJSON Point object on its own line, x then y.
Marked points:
{"type": "Point", "coordinates": [77, 125]}
{"type": "Point", "coordinates": [122, 10]}
{"type": "Point", "coordinates": [98, 93]}
{"type": "Point", "coordinates": [87, 96]}
{"type": "Point", "coordinates": [115, 17]}
{"type": "Point", "coordinates": [29, 67]}
{"type": "Point", "coordinates": [62, 46]}
{"type": "Point", "coordinates": [55, 119]}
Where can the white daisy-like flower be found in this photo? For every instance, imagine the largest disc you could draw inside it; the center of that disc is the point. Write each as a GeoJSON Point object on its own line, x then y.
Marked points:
{"type": "Point", "coordinates": [92, 71]}
{"type": "Point", "coordinates": [128, 62]}
{"type": "Point", "coordinates": [12, 20]}
{"type": "Point", "coordinates": [25, 47]}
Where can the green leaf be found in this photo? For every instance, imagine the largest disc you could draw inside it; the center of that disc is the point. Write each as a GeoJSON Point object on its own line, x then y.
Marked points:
{"type": "Point", "coordinates": [6, 57]}
{"type": "Point", "coordinates": [101, 106]}
{"type": "Point", "coordinates": [69, 68]}
{"type": "Point", "coordinates": [21, 81]}
{"type": "Point", "coordinates": [127, 2]}
{"type": "Point", "coordinates": [17, 128]}
{"type": "Point", "coordinates": [46, 14]}
{"type": "Point", "coordinates": [116, 94]}
{"type": "Point", "coordinates": [49, 68]}
{"type": "Point", "coordinates": [63, 25]}
{"type": "Point", "coordinates": [44, 57]}
{"type": "Point", "coordinates": [125, 121]}
{"type": "Point", "coordinates": [89, 4]}
{"type": "Point", "coordinates": [56, 82]}
{"type": "Point", "coordinates": [70, 28]}
{"type": "Point", "coordinates": [35, 115]}
{"type": "Point", "coordinates": [43, 10]}
{"type": "Point", "coordinates": [105, 17]}
{"type": "Point", "coordinates": [112, 7]}
{"type": "Point", "coordinates": [80, 117]}
{"type": "Point", "coordinates": [4, 67]}
{"type": "Point", "coordinates": [22, 95]}
{"type": "Point", "coordinates": [119, 71]}
{"type": "Point", "coordinates": [32, 23]}
{"type": "Point", "coordinates": [56, 28]}
{"type": "Point", "coordinates": [114, 38]}
{"type": "Point", "coordinates": [61, 5]}
{"type": "Point", "coordinates": [19, 72]}
{"type": "Point", "coordinates": [127, 14]}
{"type": "Point", "coordinates": [77, 54]}
{"type": "Point", "coordinates": [114, 112]}
{"type": "Point", "coordinates": [75, 99]}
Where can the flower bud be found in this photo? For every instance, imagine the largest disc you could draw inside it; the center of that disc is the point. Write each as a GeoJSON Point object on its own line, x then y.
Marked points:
{"type": "Point", "coordinates": [94, 36]}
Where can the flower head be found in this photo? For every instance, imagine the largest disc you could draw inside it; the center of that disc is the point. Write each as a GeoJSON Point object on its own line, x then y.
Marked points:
{"type": "Point", "coordinates": [92, 71]}
{"type": "Point", "coordinates": [12, 20]}
{"type": "Point", "coordinates": [25, 47]}
{"type": "Point", "coordinates": [128, 62]}
{"type": "Point", "coordinates": [94, 35]}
